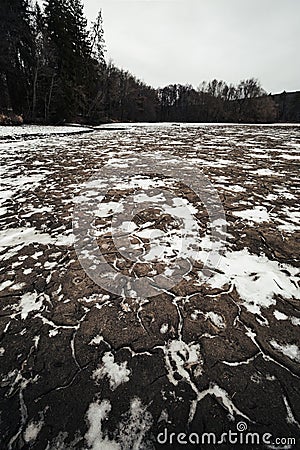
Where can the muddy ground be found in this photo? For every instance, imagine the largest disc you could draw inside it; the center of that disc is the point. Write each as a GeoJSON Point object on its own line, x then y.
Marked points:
{"type": "Point", "coordinates": [86, 368]}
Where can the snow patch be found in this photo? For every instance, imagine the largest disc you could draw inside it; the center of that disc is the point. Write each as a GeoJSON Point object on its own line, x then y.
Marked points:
{"type": "Point", "coordinates": [32, 431]}
{"type": "Point", "coordinates": [97, 413]}
{"type": "Point", "coordinates": [96, 340]}
{"type": "Point", "coordinates": [116, 373]}
{"type": "Point", "coordinates": [130, 433]}
{"type": "Point", "coordinates": [289, 350]}
{"type": "Point", "coordinates": [279, 315]}
{"type": "Point", "coordinates": [29, 302]}
{"type": "Point", "coordinates": [164, 328]}
{"type": "Point", "coordinates": [180, 357]}
{"type": "Point", "coordinates": [216, 319]}
{"type": "Point", "coordinates": [256, 279]}
{"type": "Point", "coordinates": [259, 214]}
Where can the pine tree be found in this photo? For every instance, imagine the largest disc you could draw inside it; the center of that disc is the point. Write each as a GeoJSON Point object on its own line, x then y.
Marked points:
{"type": "Point", "coordinates": [68, 36]}
{"type": "Point", "coordinates": [16, 54]}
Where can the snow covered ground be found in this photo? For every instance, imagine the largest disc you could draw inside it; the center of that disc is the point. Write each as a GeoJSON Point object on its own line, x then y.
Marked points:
{"type": "Point", "coordinates": [17, 132]}
{"type": "Point", "coordinates": [88, 367]}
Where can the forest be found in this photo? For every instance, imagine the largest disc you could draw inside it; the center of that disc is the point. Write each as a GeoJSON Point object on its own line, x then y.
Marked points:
{"type": "Point", "coordinates": [53, 71]}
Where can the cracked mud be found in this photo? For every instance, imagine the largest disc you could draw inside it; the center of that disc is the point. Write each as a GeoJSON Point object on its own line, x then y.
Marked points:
{"type": "Point", "coordinates": [82, 368]}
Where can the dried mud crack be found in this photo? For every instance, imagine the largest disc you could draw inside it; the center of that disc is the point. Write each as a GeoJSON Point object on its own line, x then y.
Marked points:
{"type": "Point", "coordinates": [83, 368]}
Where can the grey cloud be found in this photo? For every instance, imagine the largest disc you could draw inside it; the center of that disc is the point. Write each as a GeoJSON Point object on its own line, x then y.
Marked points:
{"type": "Point", "coordinates": [187, 41]}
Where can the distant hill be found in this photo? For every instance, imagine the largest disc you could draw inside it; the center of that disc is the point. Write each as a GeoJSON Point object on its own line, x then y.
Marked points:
{"type": "Point", "coordinates": [288, 106]}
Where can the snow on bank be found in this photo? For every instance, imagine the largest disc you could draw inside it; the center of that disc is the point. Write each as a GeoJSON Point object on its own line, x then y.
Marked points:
{"type": "Point", "coordinates": [15, 132]}
{"type": "Point", "coordinates": [191, 125]}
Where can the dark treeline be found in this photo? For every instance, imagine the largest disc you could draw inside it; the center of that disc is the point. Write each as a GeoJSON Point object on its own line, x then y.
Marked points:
{"type": "Point", "coordinates": [217, 101]}
{"type": "Point", "coordinates": [288, 106]}
{"type": "Point", "coordinates": [53, 70]}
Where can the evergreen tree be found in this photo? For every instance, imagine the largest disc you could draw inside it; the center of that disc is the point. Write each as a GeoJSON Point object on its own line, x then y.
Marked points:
{"type": "Point", "coordinates": [68, 37]}
{"type": "Point", "coordinates": [16, 54]}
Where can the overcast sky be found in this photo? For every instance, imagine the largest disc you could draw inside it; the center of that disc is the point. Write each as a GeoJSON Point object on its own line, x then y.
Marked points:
{"type": "Point", "coordinates": [187, 41]}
